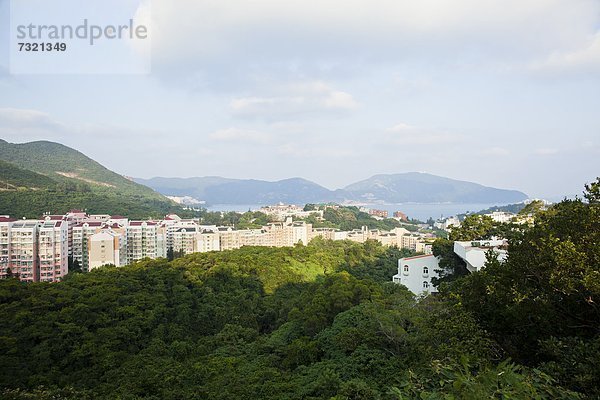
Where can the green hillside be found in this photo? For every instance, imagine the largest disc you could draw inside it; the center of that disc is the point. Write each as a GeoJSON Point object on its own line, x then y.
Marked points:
{"type": "Point", "coordinates": [13, 177]}
{"type": "Point", "coordinates": [61, 163]}
{"type": "Point", "coordinates": [40, 177]}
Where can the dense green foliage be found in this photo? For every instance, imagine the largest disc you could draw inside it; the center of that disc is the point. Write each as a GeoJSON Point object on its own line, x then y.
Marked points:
{"type": "Point", "coordinates": [33, 203]}
{"type": "Point", "coordinates": [511, 208]}
{"type": "Point", "coordinates": [13, 177]}
{"type": "Point", "coordinates": [542, 304]}
{"type": "Point", "coordinates": [310, 322]}
{"type": "Point", "coordinates": [247, 220]}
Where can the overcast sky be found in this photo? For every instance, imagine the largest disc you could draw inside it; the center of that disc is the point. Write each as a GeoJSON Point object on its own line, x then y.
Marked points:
{"type": "Point", "coordinates": [505, 93]}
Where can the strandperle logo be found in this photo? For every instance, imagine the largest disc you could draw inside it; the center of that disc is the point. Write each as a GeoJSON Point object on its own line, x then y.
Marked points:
{"type": "Point", "coordinates": [85, 31]}
{"type": "Point", "coordinates": [80, 36]}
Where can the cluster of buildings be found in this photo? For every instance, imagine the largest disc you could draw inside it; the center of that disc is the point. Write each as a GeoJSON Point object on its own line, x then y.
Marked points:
{"type": "Point", "coordinates": [447, 224]}
{"type": "Point", "coordinates": [416, 273]}
{"type": "Point", "coordinates": [40, 249]}
{"type": "Point", "coordinates": [282, 211]}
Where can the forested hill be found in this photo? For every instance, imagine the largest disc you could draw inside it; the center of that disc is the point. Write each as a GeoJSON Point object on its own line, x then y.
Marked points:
{"type": "Point", "coordinates": [61, 163]}
{"type": "Point", "coordinates": [321, 321]}
{"type": "Point", "coordinates": [41, 177]}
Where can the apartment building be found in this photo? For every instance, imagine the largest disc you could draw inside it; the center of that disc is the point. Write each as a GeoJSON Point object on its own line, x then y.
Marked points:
{"type": "Point", "coordinates": [53, 250]}
{"type": "Point", "coordinates": [5, 241]}
{"type": "Point", "coordinates": [229, 238]}
{"type": "Point", "coordinates": [81, 233]}
{"type": "Point", "coordinates": [379, 213]}
{"type": "Point", "coordinates": [183, 239]}
{"type": "Point", "coordinates": [208, 240]}
{"type": "Point", "coordinates": [142, 240]}
{"type": "Point", "coordinates": [24, 261]}
{"type": "Point", "coordinates": [107, 247]}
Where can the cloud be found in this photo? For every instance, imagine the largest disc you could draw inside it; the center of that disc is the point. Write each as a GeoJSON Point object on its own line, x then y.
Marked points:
{"type": "Point", "coordinates": [26, 124]}
{"type": "Point", "coordinates": [405, 134]}
{"type": "Point", "coordinates": [240, 135]}
{"type": "Point", "coordinates": [293, 99]}
{"type": "Point", "coordinates": [496, 151]}
{"type": "Point", "coordinates": [546, 151]}
{"type": "Point", "coordinates": [584, 57]}
{"type": "Point", "coordinates": [314, 151]}
{"type": "Point", "coordinates": [297, 38]}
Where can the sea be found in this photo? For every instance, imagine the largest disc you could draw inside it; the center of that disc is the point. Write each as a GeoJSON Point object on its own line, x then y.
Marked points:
{"type": "Point", "coordinates": [420, 211]}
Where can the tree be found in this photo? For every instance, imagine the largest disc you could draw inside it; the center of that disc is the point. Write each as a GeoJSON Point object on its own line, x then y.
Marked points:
{"type": "Point", "coordinates": [592, 192]}
{"type": "Point", "coordinates": [547, 292]}
{"type": "Point", "coordinates": [451, 265]}
{"type": "Point", "coordinates": [474, 227]}
{"type": "Point", "coordinates": [74, 266]}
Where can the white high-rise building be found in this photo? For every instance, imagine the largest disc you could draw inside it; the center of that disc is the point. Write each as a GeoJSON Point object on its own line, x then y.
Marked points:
{"type": "Point", "coordinates": [141, 240]}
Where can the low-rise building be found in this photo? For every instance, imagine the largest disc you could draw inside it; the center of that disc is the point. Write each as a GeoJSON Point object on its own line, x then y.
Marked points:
{"type": "Point", "coordinates": [417, 272]}
{"type": "Point", "coordinates": [501, 216]}
{"type": "Point", "coordinates": [399, 215]}
{"type": "Point", "coordinates": [474, 253]}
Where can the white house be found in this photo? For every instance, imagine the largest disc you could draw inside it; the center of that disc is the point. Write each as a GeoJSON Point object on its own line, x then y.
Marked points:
{"type": "Point", "coordinates": [416, 272]}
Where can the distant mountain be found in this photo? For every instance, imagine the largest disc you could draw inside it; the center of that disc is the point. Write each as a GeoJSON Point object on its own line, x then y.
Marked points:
{"type": "Point", "coordinates": [397, 188]}
{"type": "Point", "coordinates": [426, 188]}
{"type": "Point", "coordinates": [41, 177]}
{"type": "Point", "coordinates": [217, 190]}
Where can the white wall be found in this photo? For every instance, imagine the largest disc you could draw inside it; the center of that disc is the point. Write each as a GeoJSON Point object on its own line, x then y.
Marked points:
{"type": "Point", "coordinates": [416, 272]}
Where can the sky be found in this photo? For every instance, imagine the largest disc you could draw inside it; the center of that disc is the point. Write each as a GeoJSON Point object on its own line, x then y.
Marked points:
{"type": "Point", "coordinates": [505, 93]}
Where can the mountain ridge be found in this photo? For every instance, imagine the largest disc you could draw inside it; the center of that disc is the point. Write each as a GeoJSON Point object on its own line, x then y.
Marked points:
{"type": "Point", "coordinates": [416, 187]}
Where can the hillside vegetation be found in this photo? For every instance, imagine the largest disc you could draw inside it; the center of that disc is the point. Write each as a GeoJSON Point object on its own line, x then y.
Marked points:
{"type": "Point", "coordinates": [13, 177]}
{"type": "Point", "coordinates": [41, 177]}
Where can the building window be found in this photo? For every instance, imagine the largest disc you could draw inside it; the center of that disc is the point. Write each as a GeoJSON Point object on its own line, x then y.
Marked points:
{"type": "Point", "coordinates": [406, 268]}
{"type": "Point", "coordinates": [425, 285]}
{"type": "Point", "coordinates": [425, 270]}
